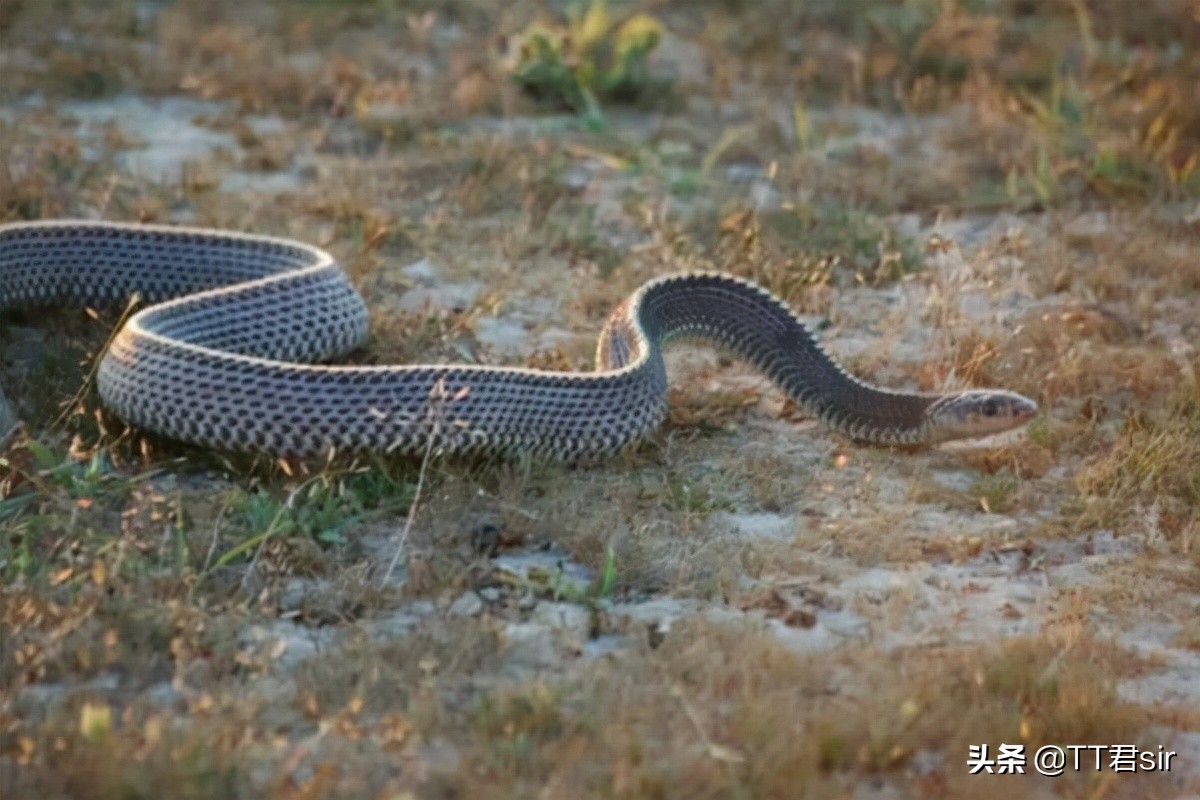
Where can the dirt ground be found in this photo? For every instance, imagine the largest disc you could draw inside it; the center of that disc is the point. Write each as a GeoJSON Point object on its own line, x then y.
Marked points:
{"type": "Point", "coordinates": [973, 193]}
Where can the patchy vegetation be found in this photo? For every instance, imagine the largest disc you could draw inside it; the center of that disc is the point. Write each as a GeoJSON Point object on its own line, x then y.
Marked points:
{"type": "Point", "coordinates": [982, 192]}
{"type": "Point", "coordinates": [591, 59]}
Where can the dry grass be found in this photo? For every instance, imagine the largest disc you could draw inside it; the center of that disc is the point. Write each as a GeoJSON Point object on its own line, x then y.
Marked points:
{"type": "Point", "coordinates": [1152, 470]}
{"type": "Point", "coordinates": [655, 722]}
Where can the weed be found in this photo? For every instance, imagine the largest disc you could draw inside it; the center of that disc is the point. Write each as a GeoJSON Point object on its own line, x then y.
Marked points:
{"type": "Point", "coordinates": [1155, 459]}
{"type": "Point", "coordinates": [322, 508]}
{"type": "Point", "coordinates": [599, 592]}
{"type": "Point", "coordinates": [996, 492]}
{"type": "Point", "coordinates": [588, 61]}
{"type": "Point", "coordinates": [852, 237]}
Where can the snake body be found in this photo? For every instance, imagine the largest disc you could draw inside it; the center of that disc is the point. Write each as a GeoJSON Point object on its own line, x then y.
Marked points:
{"type": "Point", "coordinates": [229, 354]}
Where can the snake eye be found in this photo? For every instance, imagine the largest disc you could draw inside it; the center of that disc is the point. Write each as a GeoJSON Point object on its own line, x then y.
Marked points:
{"type": "Point", "coordinates": [991, 408]}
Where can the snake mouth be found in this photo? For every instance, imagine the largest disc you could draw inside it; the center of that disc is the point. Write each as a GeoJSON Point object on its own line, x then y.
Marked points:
{"type": "Point", "coordinates": [1023, 415]}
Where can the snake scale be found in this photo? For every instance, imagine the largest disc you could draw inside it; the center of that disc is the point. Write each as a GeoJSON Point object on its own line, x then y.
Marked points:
{"type": "Point", "coordinates": [230, 354]}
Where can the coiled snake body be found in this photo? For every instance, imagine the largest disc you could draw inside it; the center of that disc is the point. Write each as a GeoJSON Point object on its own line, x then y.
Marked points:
{"type": "Point", "coordinates": [227, 355]}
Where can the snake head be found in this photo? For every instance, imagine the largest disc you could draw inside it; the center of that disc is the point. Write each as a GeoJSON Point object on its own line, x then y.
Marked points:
{"type": "Point", "coordinates": [977, 412]}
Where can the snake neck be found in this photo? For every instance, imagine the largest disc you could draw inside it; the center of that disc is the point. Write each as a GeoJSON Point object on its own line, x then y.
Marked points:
{"type": "Point", "coordinates": [845, 403]}
{"type": "Point", "coordinates": [760, 329]}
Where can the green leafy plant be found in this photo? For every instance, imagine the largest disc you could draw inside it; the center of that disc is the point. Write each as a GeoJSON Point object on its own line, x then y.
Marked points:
{"type": "Point", "coordinates": [90, 478]}
{"type": "Point", "coordinates": [588, 60]}
{"type": "Point", "coordinates": [321, 508]}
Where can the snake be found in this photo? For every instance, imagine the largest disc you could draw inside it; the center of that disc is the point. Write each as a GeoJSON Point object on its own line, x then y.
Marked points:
{"type": "Point", "coordinates": [237, 339]}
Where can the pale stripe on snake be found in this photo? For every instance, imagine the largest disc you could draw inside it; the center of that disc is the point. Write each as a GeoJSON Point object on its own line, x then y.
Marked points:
{"type": "Point", "coordinates": [226, 357]}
